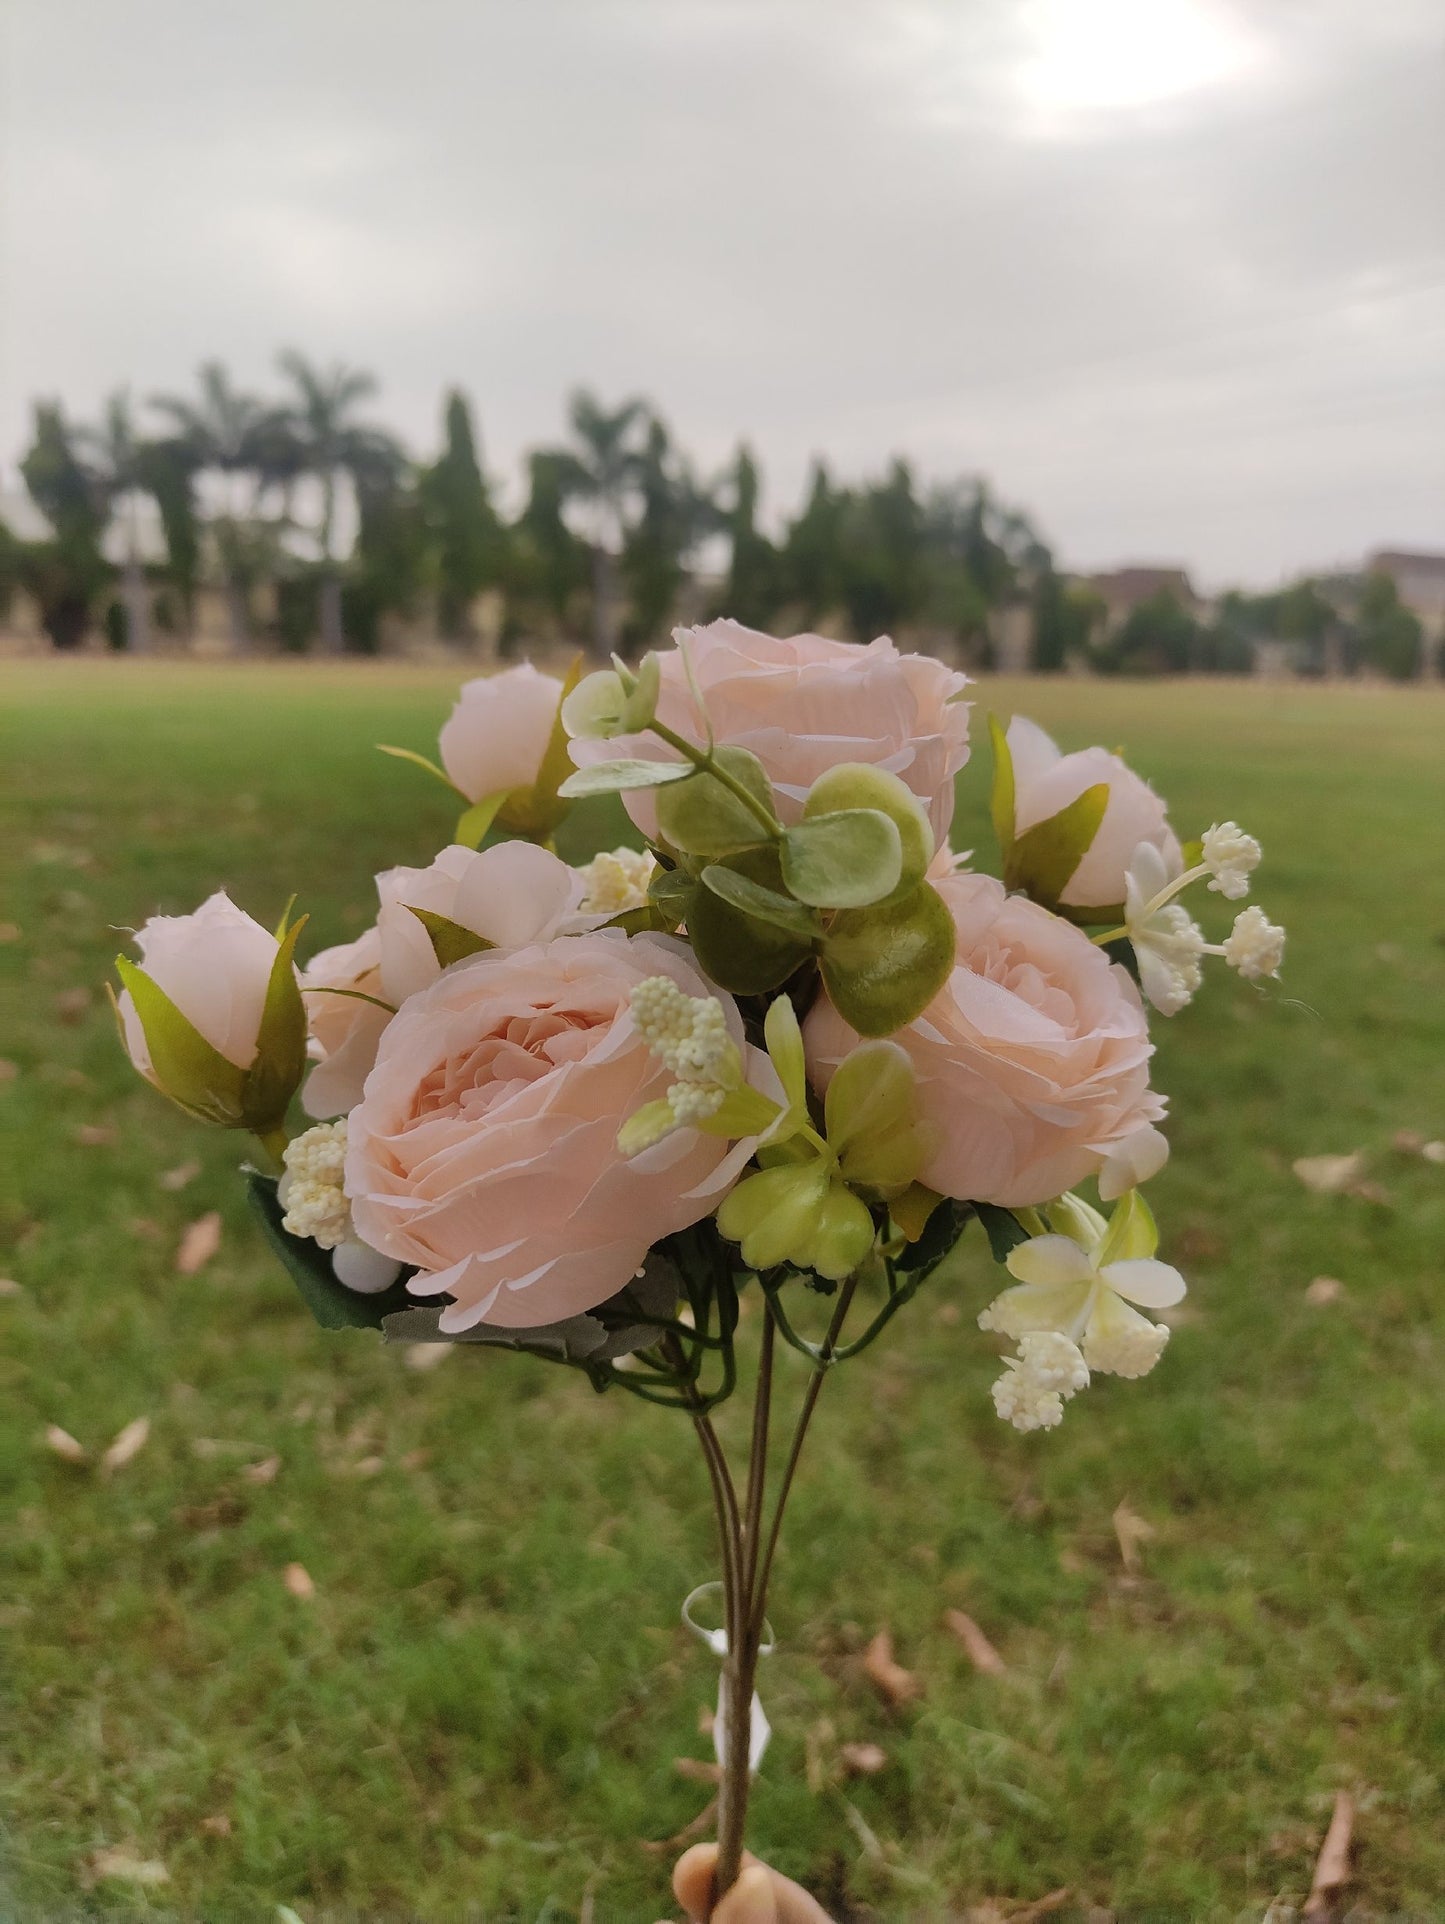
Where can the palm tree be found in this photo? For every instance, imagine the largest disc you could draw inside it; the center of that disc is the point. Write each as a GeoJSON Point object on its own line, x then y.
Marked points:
{"type": "Point", "coordinates": [236, 438]}
{"type": "Point", "coordinates": [605, 475]}
{"type": "Point", "coordinates": [124, 469]}
{"type": "Point", "coordinates": [330, 445]}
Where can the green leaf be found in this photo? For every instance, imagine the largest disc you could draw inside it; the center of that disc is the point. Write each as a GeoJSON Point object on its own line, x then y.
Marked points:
{"type": "Point", "coordinates": [1132, 1231]}
{"type": "Point", "coordinates": [474, 822]}
{"type": "Point", "coordinates": [421, 761]}
{"type": "Point", "coordinates": [593, 710]}
{"type": "Point", "coordinates": [871, 1118]}
{"type": "Point", "coordinates": [536, 811]}
{"type": "Point", "coordinates": [611, 778]}
{"type": "Point", "coordinates": [859, 785]}
{"type": "Point", "coordinates": [275, 1075]}
{"type": "Point", "coordinates": [671, 892]}
{"type": "Point", "coordinates": [702, 817]}
{"type": "Point", "coordinates": [882, 966]}
{"type": "Point", "coordinates": [739, 953]}
{"type": "Point", "coordinates": [450, 941]}
{"type": "Point", "coordinates": [186, 1066]}
{"type": "Point", "coordinates": [912, 1212]}
{"type": "Point", "coordinates": [847, 860]}
{"type": "Point", "coordinates": [1044, 858]}
{"type": "Point", "coordinates": [1003, 1229]}
{"type": "Point", "coordinates": [762, 904]}
{"type": "Point", "coordinates": [1001, 797]}
{"type": "Point", "coordinates": [309, 1266]}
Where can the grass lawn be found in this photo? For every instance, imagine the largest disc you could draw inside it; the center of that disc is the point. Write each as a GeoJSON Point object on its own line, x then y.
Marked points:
{"type": "Point", "coordinates": [477, 1713]}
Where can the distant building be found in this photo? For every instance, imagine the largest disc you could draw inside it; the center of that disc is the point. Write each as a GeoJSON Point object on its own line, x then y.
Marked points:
{"type": "Point", "coordinates": [1419, 581]}
{"type": "Point", "coordinates": [1122, 590]}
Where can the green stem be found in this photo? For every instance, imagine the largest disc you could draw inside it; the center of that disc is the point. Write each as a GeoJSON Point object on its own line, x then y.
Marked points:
{"type": "Point", "coordinates": [703, 760]}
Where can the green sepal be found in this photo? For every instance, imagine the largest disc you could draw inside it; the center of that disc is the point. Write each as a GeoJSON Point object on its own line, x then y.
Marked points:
{"type": "Point", "coordinates": [1044, 858]}
{"type": "Point", "coordinates": [882, 966]}
{"type": "Point", "coordinates": [852, 785]}
{"type": "Point", "coordinates": [784, 1038]}
{"type": "Point", "coordinates": [1132, 1231]}
{"type": "Point", "coordinates": [743, 1112]}
{"type": "Point", "coordinates": [1001, 801]}
{"type": "Point", "coordinates": [871, 1118]}
{"type": "Point", "coordinates": [421, 761]}
{"type": "Point", "coordinates": [474, 822]}
{"type": "Point", "coordinates": [450, 941]}
{"type": "Point", "coordinates": [280, 1061]}
{"type": "Point", "coordinates": [843, 1236]}
{"type": "Point", "coordinates": [701, 816]}
{"type": "Point", "coordinates": [1193, 851]}
{"type": "Point", "coordinates": [738, 953]}
{"type": "Point", "coordinates": [849, 859]}
{"type": "Point", "coordinates": [615, 778]}
{"type": "Point", "coordinates": [536, 811]}
{"type": "Point", "coordinates": [188, 1069]}
{"type": "Point", "coordinates": [1002, 1227]}
{"type": "Point", "coordinates": [914, 1210]}
{"type": "Point", "coordinates": [762, 904]}
{"type": "Point", "coordinates": [309, 1266]}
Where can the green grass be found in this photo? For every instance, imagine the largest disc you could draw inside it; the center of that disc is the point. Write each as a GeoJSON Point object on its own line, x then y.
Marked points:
{"type": "Point", "coordinates": [478, 1713]}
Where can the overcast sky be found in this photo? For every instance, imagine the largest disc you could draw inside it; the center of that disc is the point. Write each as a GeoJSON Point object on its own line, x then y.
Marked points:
{"type": "Point", "coordinates": [1169, 271]}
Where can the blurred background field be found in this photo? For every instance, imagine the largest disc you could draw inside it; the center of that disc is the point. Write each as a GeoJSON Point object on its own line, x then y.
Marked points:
{"type": "Point", "coordinates": [1216, 1595]}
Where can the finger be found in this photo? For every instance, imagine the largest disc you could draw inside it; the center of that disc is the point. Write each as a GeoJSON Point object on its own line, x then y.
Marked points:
{"type": "Point", "coordinates": [692, 1880]}
{"type": "Point", "coordinates": [794, 1904]}
{"type": "Point", "coordinates": [752, 1900]}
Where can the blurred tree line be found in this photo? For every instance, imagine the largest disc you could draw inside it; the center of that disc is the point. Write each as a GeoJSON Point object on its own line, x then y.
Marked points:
{"type": "Point", "coordinates": [315, 529]}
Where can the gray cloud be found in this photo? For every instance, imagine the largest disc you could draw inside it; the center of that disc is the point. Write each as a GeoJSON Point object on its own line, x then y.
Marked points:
{"type": "Point", "coordinates": [1182, 310]}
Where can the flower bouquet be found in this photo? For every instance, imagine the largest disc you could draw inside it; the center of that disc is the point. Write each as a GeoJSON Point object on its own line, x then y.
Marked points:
{"type": "Point", "coordinates": [788, 1046]}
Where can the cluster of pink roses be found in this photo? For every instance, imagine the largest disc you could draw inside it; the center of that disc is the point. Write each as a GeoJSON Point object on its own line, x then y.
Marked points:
{"type": "Point", "coordinates": [482, 1041]}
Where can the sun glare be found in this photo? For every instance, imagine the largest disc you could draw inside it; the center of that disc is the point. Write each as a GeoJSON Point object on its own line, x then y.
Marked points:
{"type": "Point", "coordinates": [1095, 56]}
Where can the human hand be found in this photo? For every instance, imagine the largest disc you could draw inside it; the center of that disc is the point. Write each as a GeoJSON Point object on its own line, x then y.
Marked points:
{"type": "Point", "coordinates": [760, 1896]}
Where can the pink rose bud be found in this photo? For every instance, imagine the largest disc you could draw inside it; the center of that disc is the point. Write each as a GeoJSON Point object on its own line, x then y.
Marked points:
{"type": "Point", "coordinates": [1046, 781]}
{"type": "Point", "coordinates": [496, 736]}
{"type": "Point", "coordinates": [1031, 1063]}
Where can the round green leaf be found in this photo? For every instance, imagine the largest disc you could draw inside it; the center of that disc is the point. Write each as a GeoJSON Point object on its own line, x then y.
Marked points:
{"type": "Point", "coordinates": [858, 785]}
{"type": "Point", "coordinates": [702, 817]}
{"type": "Point", "coordinates": [882, 966]}
{"type": "Point", "coordinates": [846, 860]}
{"type": "Point", "coordinates": [764, 904]}
{"type": "Point", "coordinates": [609, 778]}
{"type": "Point", "coordinates": [738, 952]}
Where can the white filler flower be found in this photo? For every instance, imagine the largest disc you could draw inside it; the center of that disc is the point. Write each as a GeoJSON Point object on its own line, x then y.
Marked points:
{"type": "Point", "coordinates": [1231, 857]}
{"type": "Point", "coordinates": [1083, 1284]}
{"type": "Point", "coordinates": [1169, 944]}
{"type": "Point", "coordinates": [1036, 1383]}
{"type": "Point", "coordinates": [616, 881]}
{"type": "Point", "coordinates": [1255, 946]}
{"type": "Point", "coordinates": [690, 1036]}
{"type": "Point", "coordinates": [311, 1191]}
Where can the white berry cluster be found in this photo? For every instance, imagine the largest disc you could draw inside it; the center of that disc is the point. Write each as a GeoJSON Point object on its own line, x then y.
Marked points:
{"type": "Point", "coordinates": [1231, 857]}
{"type": "Point", "coordinates": [1255, 946]}
{"type": "Point", "coordinates": [1036, 1383]}
{"type": "Point", "coordinates": [616, 881]}
{"type": "Point", "coordinates": [690, 1036]}
{"type": "Point", "coordinates": [311, 1191]}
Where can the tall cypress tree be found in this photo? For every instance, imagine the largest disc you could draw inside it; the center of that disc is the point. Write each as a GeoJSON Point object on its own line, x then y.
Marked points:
{"type": "Point", "coordinates": [463, 522]}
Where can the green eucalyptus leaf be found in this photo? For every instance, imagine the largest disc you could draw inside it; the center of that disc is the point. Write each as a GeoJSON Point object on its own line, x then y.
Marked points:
{"type": "Point", "coordinates": [762, 904]}
{"type": "Point", "coordinates": [612, 778]}
{"type": "Point", "coordinates": [1001, 798]}
{"type": "Point", "coordinates": [847, 860]}
{"type": "Point", "coordinates": [309, 1266]}
{"type": "Point", "coordinates": [280, 1061]}
{"type": "Point", "coordinates": [1044, 857]}
{"type": "Point", "coordinates": [882, 966]}
{"type": "Point", "coordinates": [187, 1067]}
{"type": "Point", "coordinates": [593, 710]}
{"type": "Point", "coordinates": [474, 822]}
{"type": "Point", "coordinates": [702, 817]}
{"type": "Point", "coordinates": [450, 941]}
{"type": "Point", "coordinates": [671, 892]}
{"type": "Point", "coordinates": [859, 785]}
{"type": "Point", "coordinates": [738, 952]}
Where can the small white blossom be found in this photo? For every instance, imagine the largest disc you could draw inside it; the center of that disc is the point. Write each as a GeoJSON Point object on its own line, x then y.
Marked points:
{"type": "Point", "coordinates": [1255, 946]}
{"type": "Point", "coordinates": [311, 1190]}
{"type": "Point", "coordinates": [1036, 1383]}
{"type": "Point", "coordinates": [616, 881]}
{"type": "Point", "coordinates": [1230, 856]}
{"type": "Point", "coordinates": [1083, 1285]}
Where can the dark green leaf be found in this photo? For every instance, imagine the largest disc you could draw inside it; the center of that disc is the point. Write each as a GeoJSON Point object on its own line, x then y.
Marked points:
{"type": "Point", "coordinates": [1002, 1227]}
{"type": "Point", "coordinates": [882, 966]}
{"type": "Point", "coordinates": [740, 954]}
{"type": "Point", "coordinates": [309, 1266]}
{"type": "Point", "coordinates": [762, 904]}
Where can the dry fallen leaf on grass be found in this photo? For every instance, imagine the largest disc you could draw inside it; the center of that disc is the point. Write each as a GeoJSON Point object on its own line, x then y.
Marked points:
{"type": "Point", "coordinates": [262, 1472]}
{"type": "Point", "coordinates": [1339, 1176]}
{"type": "Point", "coordinates": [697, 1770]}
{"type": "Point", "coordinates": [1042, 1906]}
{"type": "Point", "coordinates": [199, 1244]}
{"type": "Point", "coordinates": [426, 1356]}
{"type": "Point", "coordinates": [9, 1287]}
{"type": "Point", "coordinates": [1131, 1530]}
{"type": "Point", "coordinates": [71, 1004]}
{"type": "Point", "coordinates": [63, 1444]}
{"type": "Point", "coordinates": [886, 1674]}
{"type": "Point", "coordinates": [863, 1760]}
{"type": "Point", "coordinates": [1324, 1289]}
{"type": "Point", "coordinates": [178, 1177]}
{"type": "Point", "coordinates": [129, 1443]}
{"type": "Point", "coordinates": [1434, 1152]}
{"type": "Point", "coordinates": [665, 1846]}
{"type": "Point", "coordinates": [9, 931]}
{"type": "Point", "coordinates": [980, 1652]}
{"type": "Point", "coordinates": [1332, 1871]}
{"type": "Point", "coordinates": [126, 1867]}
{"type": "Point", "coordinates": [217, 1826]}
{"type": "Point", "coordinates": [297, 1579]}
{"type": "Point", "coordinates": [8, 1069]}
{"type": "Point", "coordinates": [95, 1135]}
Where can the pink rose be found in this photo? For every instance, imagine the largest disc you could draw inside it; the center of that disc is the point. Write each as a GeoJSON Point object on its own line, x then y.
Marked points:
{"type": "Point", "coordinates": [496, 736]}
{"type": "Point", "coordinates": [1046, 781]}
{"type": "Point", "coordinates": [214, 965]}
{"type": "Point", "coordinates": [1032, 1062]}
{"type": "Point", "coordinates": [802, 705]}
{"type": "Point", "coordinates": [509, 894]}
{"type": "Point", "coordinates": [485, 1148]}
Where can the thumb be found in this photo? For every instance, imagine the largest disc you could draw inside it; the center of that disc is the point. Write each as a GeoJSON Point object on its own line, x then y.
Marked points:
{"type": "Point", "coordinates": [751, 1900]}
